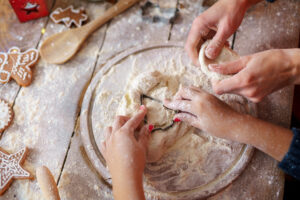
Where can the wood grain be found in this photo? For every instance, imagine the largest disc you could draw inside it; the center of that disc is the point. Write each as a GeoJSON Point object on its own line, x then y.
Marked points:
{"type": "Point", "coordinates": [46, 111]}
{"type": "Point", "coordinates": [13, 33]}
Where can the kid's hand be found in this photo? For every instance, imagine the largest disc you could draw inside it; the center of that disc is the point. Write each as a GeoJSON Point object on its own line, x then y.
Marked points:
{"type": "Point", "coordinates": [204, 111]}
{"type": "Point", "coordinates": [124, 154]}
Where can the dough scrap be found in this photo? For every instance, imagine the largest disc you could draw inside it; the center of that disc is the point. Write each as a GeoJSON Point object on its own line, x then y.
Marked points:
{"type": "Point", "coordinates": [159, 86]}
{"type": "Point", "coordinates": [226, 55]}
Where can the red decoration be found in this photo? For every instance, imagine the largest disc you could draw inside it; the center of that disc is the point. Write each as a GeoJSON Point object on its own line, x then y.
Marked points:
{"type": "Point", "coordinates": [31, 9]}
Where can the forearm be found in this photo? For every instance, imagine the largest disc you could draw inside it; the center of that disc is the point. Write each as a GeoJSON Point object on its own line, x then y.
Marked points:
{"type": "Point", "coordinates": [269, 138]}
{"type": "Point", "coordinates": [128, 189]}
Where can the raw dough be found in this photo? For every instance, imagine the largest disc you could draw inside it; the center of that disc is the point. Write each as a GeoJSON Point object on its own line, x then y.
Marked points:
{"type": "Point", "coordinates": [226, 55]}
{"type": "Point", "coordinates": [159, 86]}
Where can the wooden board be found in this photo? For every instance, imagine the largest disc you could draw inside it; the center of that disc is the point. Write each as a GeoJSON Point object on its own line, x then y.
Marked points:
{"type": "Point", "coordinates": [78, 180]}
{"type": "Point", "coordinates": [45, 112]}
{"type": "Point", "coordinates": [266, 26]}
{"type": "Point", "coordinates": [97, 112]}
{"type": "Point", "coordinates": [137, 31]}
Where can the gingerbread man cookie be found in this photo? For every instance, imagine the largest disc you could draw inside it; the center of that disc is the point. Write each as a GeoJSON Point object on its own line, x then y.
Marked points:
{"type": "Point", "coordinates": [6, 115]}
{"type": "Point", "coordinates": [69, 15]}
{"type": "Point", "coordinates": [10, 168]}
{"type": "Point", "coordinates": [16, 65]}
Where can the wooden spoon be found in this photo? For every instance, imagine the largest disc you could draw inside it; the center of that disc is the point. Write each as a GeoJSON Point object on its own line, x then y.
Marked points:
{"type": "Point", "coordinates": [47, 183]}
{"type": "Point", "coordinates": [60, 47]}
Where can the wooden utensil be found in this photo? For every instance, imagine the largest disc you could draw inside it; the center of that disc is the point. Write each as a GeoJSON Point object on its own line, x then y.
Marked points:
{"type": "Point", "coordinates": [47, 183]}
{"type": "Point", "coordinates": [60, 47]}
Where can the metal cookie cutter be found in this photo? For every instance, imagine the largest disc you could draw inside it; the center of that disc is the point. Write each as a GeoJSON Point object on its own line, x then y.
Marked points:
{"type": "Point", "coordinates": [154, 12]}
{"type": "Point", "coordinates": [156, 128]}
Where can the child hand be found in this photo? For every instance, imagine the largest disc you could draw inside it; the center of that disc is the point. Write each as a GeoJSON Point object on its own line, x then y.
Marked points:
{"type": "Point", "coordinates": [125, 155]}
{"type": "Point", "coordinates": [204, 111]}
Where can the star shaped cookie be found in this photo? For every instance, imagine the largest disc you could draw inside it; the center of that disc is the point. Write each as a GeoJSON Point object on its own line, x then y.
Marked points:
{"type": "Point", "coordinates": [10, 168]}
{"type": "Point", "coordinates": [6, 115]}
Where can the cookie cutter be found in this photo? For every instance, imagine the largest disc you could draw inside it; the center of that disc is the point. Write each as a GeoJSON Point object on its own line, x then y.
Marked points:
{"type": "Point", "coordinates": [165, 128]}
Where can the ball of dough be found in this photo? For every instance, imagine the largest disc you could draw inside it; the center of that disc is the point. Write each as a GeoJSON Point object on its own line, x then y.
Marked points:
{"type": "Point", "coordinates": [226, 55]}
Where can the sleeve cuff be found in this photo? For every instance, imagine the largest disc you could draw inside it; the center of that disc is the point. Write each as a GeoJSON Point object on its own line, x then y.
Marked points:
{"type": "Point", "coordinates": [290, 164]}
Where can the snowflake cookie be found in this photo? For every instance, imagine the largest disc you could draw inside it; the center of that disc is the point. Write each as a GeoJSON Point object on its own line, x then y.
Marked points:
{"type": "Point", "coordinates": [6, 115]}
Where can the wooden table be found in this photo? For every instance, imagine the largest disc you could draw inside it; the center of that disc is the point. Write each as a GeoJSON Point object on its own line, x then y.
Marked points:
{"type": "Point", "coordinates": [47, 112]}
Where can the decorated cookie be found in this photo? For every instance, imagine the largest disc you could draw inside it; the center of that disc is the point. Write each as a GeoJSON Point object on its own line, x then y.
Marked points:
{"type": "Point", "coordinates": [10, 168]}
{"type": "Point", "coordinates": [17, 65]}
{"type": "Point", "coordinates": [6, 115]}
{"type": "Point", "coordinates": [69, 16]}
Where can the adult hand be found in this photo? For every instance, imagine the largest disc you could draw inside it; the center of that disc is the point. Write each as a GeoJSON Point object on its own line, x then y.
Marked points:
{"type": "Point", "coordinates": [204, 111]}
{"type": "Point", "coordinates": [125, 155]}
{"type": "Point", "coordinates": [218, 23]}
{"type": "Point", "coordinates": [259, 74]}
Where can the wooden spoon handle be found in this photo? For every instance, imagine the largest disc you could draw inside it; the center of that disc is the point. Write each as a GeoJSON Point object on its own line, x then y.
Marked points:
{"type": "Point", "coordinates": [47, 183]}
{"type": "Point", "coordinates": [113, 11]}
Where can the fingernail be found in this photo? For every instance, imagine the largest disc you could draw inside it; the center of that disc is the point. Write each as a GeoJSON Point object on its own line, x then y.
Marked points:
{"type": "Point", "coordinates": [150, 128]}
{"type": "Point", "coordinates": [177, 120]}
{"type": "Point", "coordinates": [209, 52]}
{"type": "Point", "coordinates": [142, 107]}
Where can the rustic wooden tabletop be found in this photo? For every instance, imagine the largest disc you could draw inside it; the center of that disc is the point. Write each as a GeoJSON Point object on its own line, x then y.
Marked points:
{"type": "Point", "coordinates": [47, 112]}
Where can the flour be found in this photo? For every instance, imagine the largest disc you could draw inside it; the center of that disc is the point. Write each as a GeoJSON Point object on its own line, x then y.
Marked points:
{"type": "Point", "coordinates": [160, 87]}
{"type": "Point", "coordinates": [182, 158]}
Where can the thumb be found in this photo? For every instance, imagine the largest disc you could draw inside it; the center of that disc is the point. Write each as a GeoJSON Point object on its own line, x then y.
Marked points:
{"type": "Point", "coordinates": [144, 136]}
{"type": "Point", "coordinates": [227, 68]}
{"type": "Point", "coordinates": [215, 46]}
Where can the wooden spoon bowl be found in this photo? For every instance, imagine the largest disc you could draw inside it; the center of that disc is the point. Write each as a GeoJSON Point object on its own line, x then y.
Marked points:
{"type": "Point", "coordinates": [60, 47]}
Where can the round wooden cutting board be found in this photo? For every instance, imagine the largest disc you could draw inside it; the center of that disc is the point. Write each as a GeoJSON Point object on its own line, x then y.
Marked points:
{"type": "Point", "coordinates": [186, 171]}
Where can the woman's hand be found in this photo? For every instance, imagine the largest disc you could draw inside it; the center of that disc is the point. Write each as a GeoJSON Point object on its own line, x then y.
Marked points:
{"type": "Point", "coordinates": [218, 23]}
{"type": "Point", "coordinates": [204, 111]}
{"type": "Point", "coordinates": [259, 74]}
{"type": "Point", "coordinates": [126, 156]}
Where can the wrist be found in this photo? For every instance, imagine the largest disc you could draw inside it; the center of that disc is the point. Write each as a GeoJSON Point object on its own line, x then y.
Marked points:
{"type": "Point", "coordinates": [127, 188]}
{"type": "Point", "coordinates": [249, 3]}
{"type": "Point", "coordinates": [293, 57]}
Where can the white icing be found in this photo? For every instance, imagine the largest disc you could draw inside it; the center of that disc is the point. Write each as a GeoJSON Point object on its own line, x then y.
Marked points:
{"type": "Point", "coordinates": [10, 167]}
{"type": "Point", "coordinates": [68, 20]}
{"type": "Point", "coordinates": [5, 114]}
{"type": "Point", "coordinates": [3, 62]}
{"type": "Point", "coordinates": [24, 60]}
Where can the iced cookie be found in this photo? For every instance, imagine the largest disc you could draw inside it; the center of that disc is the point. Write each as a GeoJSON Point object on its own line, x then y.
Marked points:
{"type": "Point", "coordinates": [17, 65]}
{"type": "Point", "coordinates": [69, 16]}
{"type": "Point", "coordinates": [10, 165]}
{"type": "Point", "coordinates": [6, 115]}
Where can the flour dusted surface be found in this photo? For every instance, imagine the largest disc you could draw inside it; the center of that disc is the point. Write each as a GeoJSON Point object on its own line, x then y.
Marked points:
{"type": "Point", "coordinates": [194, 159]}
